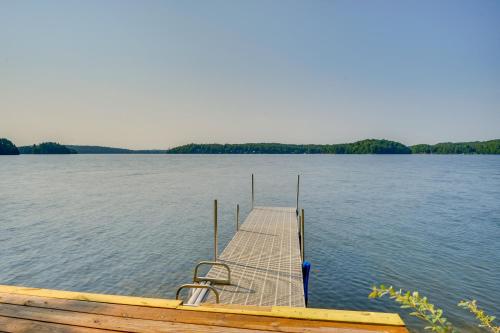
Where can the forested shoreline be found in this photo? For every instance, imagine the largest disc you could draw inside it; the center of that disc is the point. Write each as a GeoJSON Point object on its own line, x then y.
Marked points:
{"type": "Point", "coordinates": [368, 146]}
{"type": "Point", "coordinates": [46, 148]}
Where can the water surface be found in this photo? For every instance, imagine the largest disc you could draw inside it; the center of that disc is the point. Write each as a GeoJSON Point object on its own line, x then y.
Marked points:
{"type": "Point", "coordinates": [137, 224]}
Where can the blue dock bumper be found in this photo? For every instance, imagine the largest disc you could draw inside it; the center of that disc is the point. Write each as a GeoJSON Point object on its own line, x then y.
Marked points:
{"type": "Point", "coordinates": [306, 268]}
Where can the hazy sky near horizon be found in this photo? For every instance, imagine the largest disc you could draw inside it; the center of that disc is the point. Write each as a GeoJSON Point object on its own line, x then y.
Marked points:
{"type": "Point", "coordinates": [155, 74]}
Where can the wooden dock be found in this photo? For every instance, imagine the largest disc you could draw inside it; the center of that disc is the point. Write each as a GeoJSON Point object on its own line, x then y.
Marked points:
{"type": "Point", "coordinates": [255, 285]}
{"type": "Point", "coordinates": [43, 310]}
{"type": "Point", "coordinates": [265, 261]}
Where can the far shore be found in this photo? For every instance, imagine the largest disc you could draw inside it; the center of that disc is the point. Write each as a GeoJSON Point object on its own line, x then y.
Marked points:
{"type": "Point", "coordinates": [368, 146]}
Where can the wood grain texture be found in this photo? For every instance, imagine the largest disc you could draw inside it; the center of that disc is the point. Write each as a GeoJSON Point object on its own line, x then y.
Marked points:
{"type": "Point", "coordinates": [106, 322]}
{"type": "Point", "coordinates": [143, 301]}
{"type": "Point", "coordinates": [118, 317]}
{"type": "Point", "coordinates": [254, 322]}
{"type": "Point", "coordinates": [16, 325]}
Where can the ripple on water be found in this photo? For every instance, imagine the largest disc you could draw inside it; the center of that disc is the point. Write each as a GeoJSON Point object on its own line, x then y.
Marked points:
{"type": "Point", "coordinates": [137, 224]}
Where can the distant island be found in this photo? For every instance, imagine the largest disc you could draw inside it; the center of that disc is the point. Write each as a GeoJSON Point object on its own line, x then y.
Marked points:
{"type": "Point", "coordinates": [46, 148]}
{"type": "Point", "coordinates": [369, 146]}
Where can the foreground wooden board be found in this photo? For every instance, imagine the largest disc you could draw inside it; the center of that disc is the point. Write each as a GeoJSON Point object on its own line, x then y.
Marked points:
{"type": "Point", "coordinates": [103, 298]}
{"type": "Point", "coordinates": [43, 310]}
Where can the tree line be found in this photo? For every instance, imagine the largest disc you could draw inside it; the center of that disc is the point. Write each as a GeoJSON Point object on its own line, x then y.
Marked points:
{"type": "Point", "coordinates": [46, 148]}
{"type": "Point", "coordinates": [477, 147]}
{"type": "Point", "coordinates": [9, 148]}
{"type": "Point", "coordinates": [369, 146]}
{"type": "Point", "coordinates": [361, 147]}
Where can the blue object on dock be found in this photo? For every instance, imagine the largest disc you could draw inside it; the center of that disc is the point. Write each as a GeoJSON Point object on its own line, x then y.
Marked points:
{"type": "Point", "coordinates": [306, 268]}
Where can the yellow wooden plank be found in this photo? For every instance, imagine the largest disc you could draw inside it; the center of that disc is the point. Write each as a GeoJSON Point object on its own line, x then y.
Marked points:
{"type": "Point", "coordinates": [365, 317]}
{"type": "Point", "coordinates": [102, 298]}
{"type": "Point", "coordinates": [362, 317]}
{"type": "Point", "coordinates": [220, 308]}
{"type": "Point", "coordinates": [378, 318]}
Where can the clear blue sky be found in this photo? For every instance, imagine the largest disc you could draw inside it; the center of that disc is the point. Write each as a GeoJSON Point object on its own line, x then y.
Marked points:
{"type": "Point", "coordinates": [154, 74]}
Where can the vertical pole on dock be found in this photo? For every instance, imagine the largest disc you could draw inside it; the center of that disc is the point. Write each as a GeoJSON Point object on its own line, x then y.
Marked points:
{"type": "Point", "coordinates": [299, 219]}
{"type": "Point", "coordinates": [298, 187]}
{"type": "Point", "coordinates": [302, 234]}
{"type": "Point", "coordinates": [237, 217]}
{"type": "Point", "coordinates": [253, 195]}
{"type": "Point", "coordinates": [215, 230]}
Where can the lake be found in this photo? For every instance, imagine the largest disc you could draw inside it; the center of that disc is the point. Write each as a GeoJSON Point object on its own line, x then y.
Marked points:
{"type": "Point", "coordinates": [137, 224]}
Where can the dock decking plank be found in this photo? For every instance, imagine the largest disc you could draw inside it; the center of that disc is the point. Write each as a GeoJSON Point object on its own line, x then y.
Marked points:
{"type": "Point", "coordinates": [265, 262]}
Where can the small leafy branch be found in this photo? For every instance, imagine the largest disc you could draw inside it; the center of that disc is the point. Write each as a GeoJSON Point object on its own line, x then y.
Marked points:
{"type": "Point", "coordinates": [485, 320]}
{"type": "Point", "coordinates": [422, 308]}
{"type": "Point", "coordinates": [431, 314]}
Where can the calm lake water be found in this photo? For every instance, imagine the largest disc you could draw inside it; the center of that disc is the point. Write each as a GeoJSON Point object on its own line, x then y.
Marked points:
{"type": "Point", "coordinates": [137, 224]}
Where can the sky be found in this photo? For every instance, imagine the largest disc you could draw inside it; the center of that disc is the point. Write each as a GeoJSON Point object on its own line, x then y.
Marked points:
{"type": "Point", "coordinates": [156, 74]}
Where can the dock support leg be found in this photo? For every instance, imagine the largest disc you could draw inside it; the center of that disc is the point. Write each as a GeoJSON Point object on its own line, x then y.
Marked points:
{"type": "Point", "coordinates": [299, 219]}
{"type": "Point", "coordinates": [298, 187]}
{"type": "Point", "coordinates": [215, 230]}
{"type": "Point", "coordinates": [253, 192]}
{"type": "Point", "coordinates": [237, 217]}
{"type": "Point", "coordinates": [302, 235]}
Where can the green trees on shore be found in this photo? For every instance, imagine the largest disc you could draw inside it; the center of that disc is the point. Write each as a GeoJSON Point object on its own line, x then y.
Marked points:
{"type": "Point", "coordinates": [477, 147]}
{"type": "Point", "coordinates": [46, 148]}
{"type": "Point", "coordinates": [8, 148]}
{"type": "Point", "coordinates": [370, 146]}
